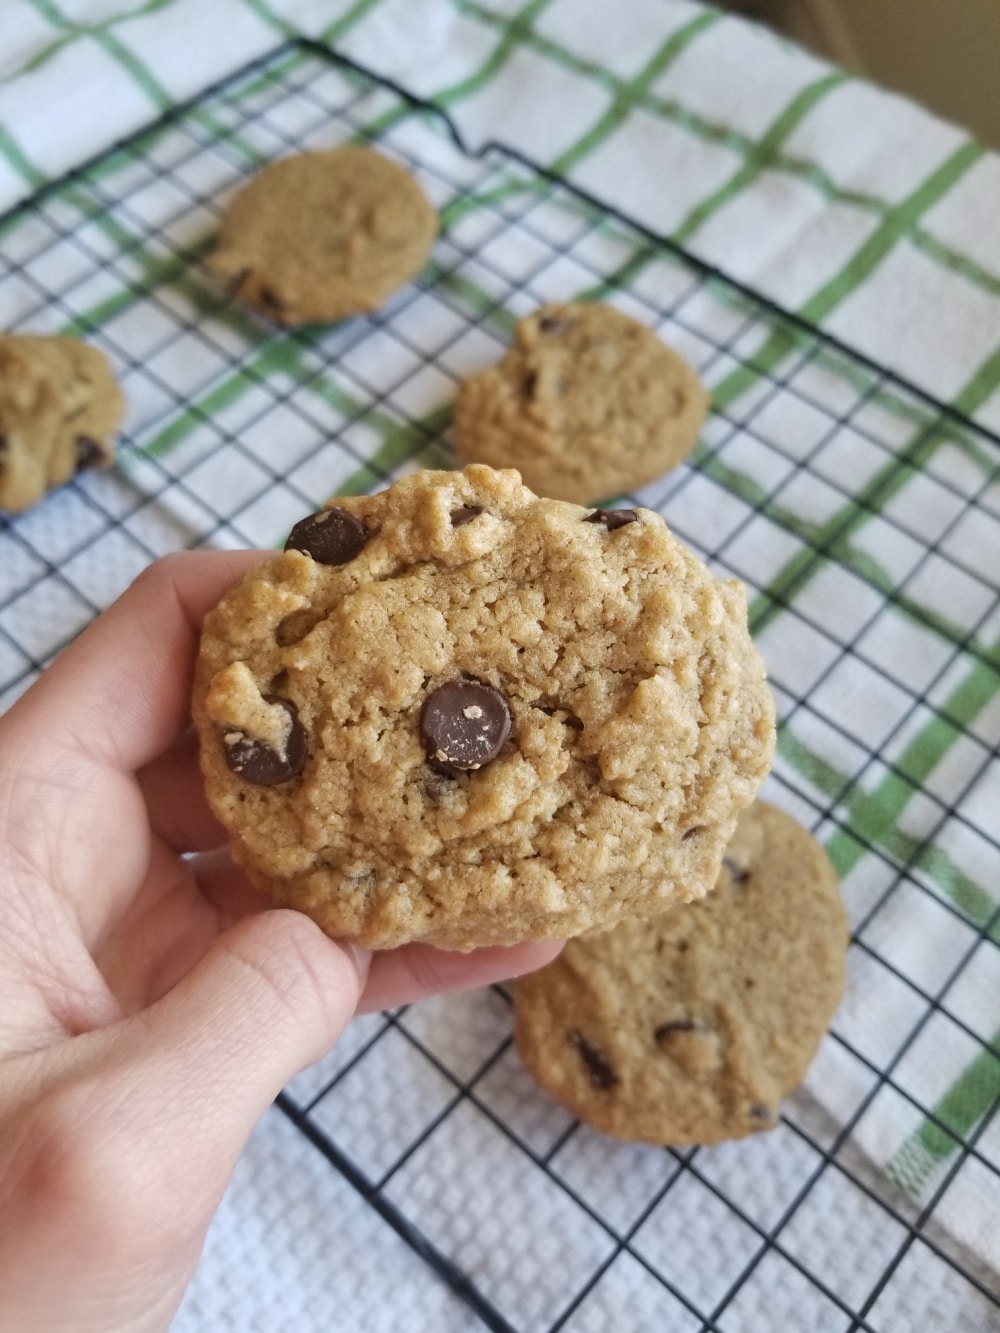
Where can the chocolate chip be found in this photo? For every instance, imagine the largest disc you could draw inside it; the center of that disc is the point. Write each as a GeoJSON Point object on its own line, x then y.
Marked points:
{"type": "Point", "coordinates": [270, 299]}
{"type": "Point", "coordinates": [599, 1071]}
{"type": "Point", "coordinates": [331, 537]}
{"type": "Point", "coordinates": [465, 514]}
{"type": "Point", "coordinates": [666, 1030]}
{"type": "Point", "coordinates": [765, 1114]}
{"type": "Point", "coordinates": [737, 874]}
{"type": "Point", "coordinates": [464, 724]}
{"type": "Point", "coordinates": [554, 324]}
{"type": "Point", "coordinates": [88, 453]}
{"type": "Point", "coordinates": [612, 518]}
{"type": "Point", "coordinates": [256, 762]}
{"type": "Point", "coordinates": [689, 834]}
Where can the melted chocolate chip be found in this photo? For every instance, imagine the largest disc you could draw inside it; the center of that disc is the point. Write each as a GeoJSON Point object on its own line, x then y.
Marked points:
{"type": "Point", "coordinates": [612, 518]}
{"type": "Point", "coordinates": [465, 514]}
{"type": "Point", "coordinates": [464, 724]}
{"type": "Point", "coordinates": [256, 762]}
{"type": "Point", "coordinates": [331, 537]}
{"type": "Point", "coordinates": [88, 453]}
{"type": "Point", "coordinates": [599, 1071]}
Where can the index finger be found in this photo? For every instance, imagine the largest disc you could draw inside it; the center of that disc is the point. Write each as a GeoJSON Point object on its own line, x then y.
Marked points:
{"type": "Point", "coordinates": [120, 694]}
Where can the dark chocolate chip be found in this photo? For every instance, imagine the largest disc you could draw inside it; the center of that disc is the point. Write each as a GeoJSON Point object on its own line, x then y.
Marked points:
{"type": "Point", "coordinates": [765, 1114]}
{"type": "Point", "coordinates": [666, 1030]}
{"type": "Point", "coordinates": [256, 762]}
{"type": "Point", "coordinates": [331, 537]}
{"type": "Point", "coordinates": [738, 874]}
{"type": "Point", "coordinates": [464, 724]}
{"type": "Point", "coordinates": [554, 324]}
{"type": "Point", "coordinates": [88, 453]}
{"type": "Point", "coordinates": [465, 514]}
{"type": "Point", "coordinates": [599, 1071]}
{"type": "Point", "coordinates": [273, 303]}
{"type": "Point", "coordinates": [612, 518]}
{"type": "Point", "coordinates": [236, 281]}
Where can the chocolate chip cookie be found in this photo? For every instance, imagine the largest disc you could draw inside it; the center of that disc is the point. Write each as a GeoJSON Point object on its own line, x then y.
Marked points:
{"type": "Point", "coordinates": [692, 1026]}
{"type": "Point", "coordinates": [60, 407]}
{"type": "Point", "coordinates": [588, 403]}
{"type": "Point", "coordinates": [320, 236]}
{"type": "Point", "coordinates": [454, 712]}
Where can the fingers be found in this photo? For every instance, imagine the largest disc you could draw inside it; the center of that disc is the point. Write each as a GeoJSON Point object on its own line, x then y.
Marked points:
{"type": "Point", "coordinates": [174, 791]}
{"type": "Point", "coordinates": [125, 1138]}
{"type": "Point", "coordinates": [120, 692]}
{"type": "Point", "coordinates": [400, 976]}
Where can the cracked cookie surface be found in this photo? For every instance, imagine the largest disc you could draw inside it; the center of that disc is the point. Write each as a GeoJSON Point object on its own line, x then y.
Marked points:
{"type": "Point", "coordinates": [492, 717]}
{"type": "Point", "coordinates": [60, 406]}
{"type": "Point", "coordinates": [588, 403]}
{"type": "Point", "coordinates": [321, 236]}
{"type": "Point", "coordinates": [691, 1027]}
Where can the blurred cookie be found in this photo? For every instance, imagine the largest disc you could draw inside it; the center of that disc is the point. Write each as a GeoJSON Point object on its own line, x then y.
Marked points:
{"type": "Point", "coordinates": [320, 236]}
{"type": "Point", "coordinates": [60, 407]}
{"type": "Point", "coordinates": [588, 403]}
{"type": "Point", "coordinates": [691, 1027]}
{"type": "Point", "coordinates": [452, 711]}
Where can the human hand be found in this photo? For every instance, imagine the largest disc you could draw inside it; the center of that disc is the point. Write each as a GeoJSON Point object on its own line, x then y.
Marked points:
{"type": "Point", "coordinates": [151, 1007]}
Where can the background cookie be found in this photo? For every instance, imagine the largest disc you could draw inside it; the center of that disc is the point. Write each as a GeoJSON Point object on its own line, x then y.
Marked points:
{"type": "Point", "coordinates": [60, 407]}
{"type": "Point", "coordinates": [691, 1027]}
{"type": "Point", "coordinates": [321, 236]}
{"type": "Point", "coordinates": [462, 714]}
{"type": "Point", "coordinates": [587, 404]}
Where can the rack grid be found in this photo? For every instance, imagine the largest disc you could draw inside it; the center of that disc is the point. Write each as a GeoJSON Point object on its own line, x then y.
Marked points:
{"type": "Point", "coordinates": [864, 519]}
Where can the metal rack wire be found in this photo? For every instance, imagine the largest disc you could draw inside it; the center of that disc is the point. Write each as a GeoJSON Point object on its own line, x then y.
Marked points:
{"type": "Point", "coordinates": [863, 518]}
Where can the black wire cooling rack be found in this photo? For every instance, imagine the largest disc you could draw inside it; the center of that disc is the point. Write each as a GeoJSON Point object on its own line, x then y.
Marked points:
{"type": "Point", "coordinates": [864, 519]}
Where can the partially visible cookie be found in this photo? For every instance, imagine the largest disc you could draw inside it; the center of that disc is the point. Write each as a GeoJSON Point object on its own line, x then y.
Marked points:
{"type": "Point", "coordinates": [60, 406]}
{"type": "Point", "coordinates": [587, 404]}
{"type": "Point", "coordinates": [320, 236]}
{"type": "Point", "coordinates": [454, 712]}
{"type": "Point", "coordinates": [691, 1027]}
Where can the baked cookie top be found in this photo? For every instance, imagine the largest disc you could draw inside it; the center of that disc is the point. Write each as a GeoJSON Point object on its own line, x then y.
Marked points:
{"type": "Point", "coordinates": [588, 403]}
{"type": "Point", "coordinates": [60, 406]}
{"type": "Point", "coordinates": [452, 711]}
{"type": "Point", "coordinates": [320, 236]}
{"type": "Point", "coordinates": [691, 1027]}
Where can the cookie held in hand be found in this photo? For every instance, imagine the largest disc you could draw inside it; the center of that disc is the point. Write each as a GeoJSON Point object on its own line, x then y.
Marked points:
{"type": "Point", "coordinates": [458, 713]}
{"type": "Point", "coordinates": [321, 236]}
{"type": "Point", "coordinates": [587, 403]}
{"type": "Point", "coordinates": [691, 1027]}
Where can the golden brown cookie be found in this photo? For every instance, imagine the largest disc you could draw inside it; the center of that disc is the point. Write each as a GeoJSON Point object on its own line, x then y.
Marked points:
{"type": "Point", "coordinates": [321, 236]}
{"type": "Point", "coordinates": [454, 712]}
{"type": "Point", "coordinates": [588, 403]}
{"type": "Point", "coordinates": [60, 407]}
{"type": "Point", "coordinates": [691, 1027]}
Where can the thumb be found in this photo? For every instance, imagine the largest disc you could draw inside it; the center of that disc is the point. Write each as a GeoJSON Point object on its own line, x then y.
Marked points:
{"type": "Point", "coordinates": [124, 1154]}
{"type": "Point", "coordinates": [271, 996]}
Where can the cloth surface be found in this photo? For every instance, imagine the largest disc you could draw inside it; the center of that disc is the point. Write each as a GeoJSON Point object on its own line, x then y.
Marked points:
{"type": "Point", "coordinates": [854, 211]}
